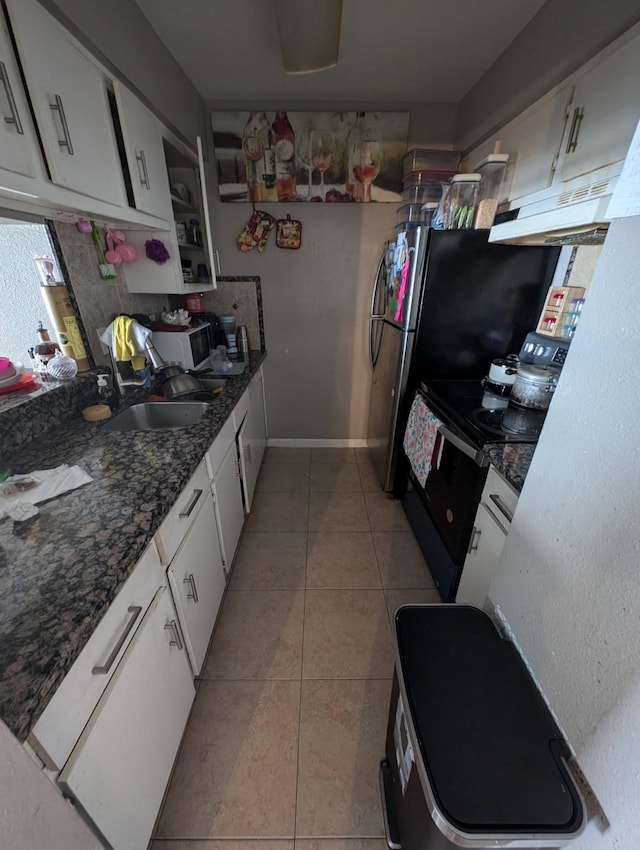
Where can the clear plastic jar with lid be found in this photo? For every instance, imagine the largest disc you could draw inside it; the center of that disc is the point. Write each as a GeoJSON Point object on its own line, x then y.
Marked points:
{"type": "Point", "coordinates": [461, 201]}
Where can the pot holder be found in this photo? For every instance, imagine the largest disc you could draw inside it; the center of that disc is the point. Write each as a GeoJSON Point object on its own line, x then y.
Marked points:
{"type": "Point", "coordinates": [256, 231]}
{"type": "Point", "coordinates": [288, 233]}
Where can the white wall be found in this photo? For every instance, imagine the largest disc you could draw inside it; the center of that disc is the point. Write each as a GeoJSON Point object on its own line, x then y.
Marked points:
{"type": "Point", "coordinates": [569, 576]}
{"type": "Point", "coordinates": [22, 304]}
{"type": "Point", "coordinates": [317, 299]}
{"type": "Point", "coordinates": [34, 815]}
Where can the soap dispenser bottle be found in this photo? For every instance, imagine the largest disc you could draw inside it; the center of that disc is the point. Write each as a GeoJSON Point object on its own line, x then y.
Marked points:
{"type": "Point", "coordinates": [106, 394]}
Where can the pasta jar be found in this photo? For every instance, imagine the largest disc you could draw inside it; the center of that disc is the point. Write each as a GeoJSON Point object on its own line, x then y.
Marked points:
{"type": "Point", "coordinates": [462, 199]}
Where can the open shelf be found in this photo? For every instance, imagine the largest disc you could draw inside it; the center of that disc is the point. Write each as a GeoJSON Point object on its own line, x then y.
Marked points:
{"type": "Point", "coordinates": [183, 206]}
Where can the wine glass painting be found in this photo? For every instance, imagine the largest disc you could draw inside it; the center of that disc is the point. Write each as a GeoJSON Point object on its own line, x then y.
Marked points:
{"type": "Point", "coordinates": [312, 157]}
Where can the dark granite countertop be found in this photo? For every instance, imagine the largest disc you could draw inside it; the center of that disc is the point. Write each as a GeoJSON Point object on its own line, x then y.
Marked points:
{"type": "Point", "coordinates": [512, 460]}
{"type": "Point", "coordinates": [60, 571]}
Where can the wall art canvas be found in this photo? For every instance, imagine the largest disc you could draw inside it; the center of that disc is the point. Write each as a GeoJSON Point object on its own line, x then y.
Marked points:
{"type": "Point", "coordinates": [317, 157]}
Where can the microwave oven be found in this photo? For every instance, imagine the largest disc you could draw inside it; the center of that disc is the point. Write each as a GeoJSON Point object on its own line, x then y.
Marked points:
{"type": "Point", "coordinates": [188, 347]}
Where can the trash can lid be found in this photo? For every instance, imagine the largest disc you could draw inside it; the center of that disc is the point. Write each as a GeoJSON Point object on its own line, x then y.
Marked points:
{"type": "Point", "coordinates": [491, 751]}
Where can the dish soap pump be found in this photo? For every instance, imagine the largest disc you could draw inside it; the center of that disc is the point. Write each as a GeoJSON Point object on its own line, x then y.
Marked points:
{"type": "Point", "coordinates": [106, 394]}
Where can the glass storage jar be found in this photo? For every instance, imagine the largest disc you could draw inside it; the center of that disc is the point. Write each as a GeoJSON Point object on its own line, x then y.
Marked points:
{"type": "Point", "coordinates": [461, 201]}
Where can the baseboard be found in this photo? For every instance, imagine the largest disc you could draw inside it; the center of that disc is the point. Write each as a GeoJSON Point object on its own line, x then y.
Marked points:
{"type": "Point", "coordinates": [316, 444]}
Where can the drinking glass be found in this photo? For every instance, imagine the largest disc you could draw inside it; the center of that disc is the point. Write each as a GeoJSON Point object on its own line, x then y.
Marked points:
{"type": "Point", "coordinates": [367, 159]}
{"type": "Point", "coordinates": [322, 145]}
{"type": "Point", "coordinates": [303, 148]}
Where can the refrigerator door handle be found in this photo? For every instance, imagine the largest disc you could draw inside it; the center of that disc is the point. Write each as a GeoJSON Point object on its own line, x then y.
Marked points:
{"type": "Point", "coordinates": [373, 316]}
{"type": "Point", "coordinates": [374, 294]}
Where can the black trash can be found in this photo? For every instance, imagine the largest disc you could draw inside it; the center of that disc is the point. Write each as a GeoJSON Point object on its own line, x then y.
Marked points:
{"type": "Point", "coordinates": [474, 758]}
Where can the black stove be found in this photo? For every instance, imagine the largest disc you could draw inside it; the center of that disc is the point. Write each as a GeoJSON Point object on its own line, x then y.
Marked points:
{"type": "Point", "coordinates": [480, 415]}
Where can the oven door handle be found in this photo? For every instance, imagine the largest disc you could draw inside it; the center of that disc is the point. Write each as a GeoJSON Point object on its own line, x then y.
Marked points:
{"type": "Point", "coordinates": [476, 455]}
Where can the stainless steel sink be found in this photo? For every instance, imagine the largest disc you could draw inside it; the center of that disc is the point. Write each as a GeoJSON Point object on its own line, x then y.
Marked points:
{"type": "Point", "coordinates": [158, 416]}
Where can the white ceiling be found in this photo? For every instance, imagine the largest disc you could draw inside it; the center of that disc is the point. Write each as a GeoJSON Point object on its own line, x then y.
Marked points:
{"type": "Point", "coordinates": [390, 50]}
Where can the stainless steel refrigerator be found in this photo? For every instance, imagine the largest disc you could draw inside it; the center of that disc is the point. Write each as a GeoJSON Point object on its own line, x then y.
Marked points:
{"type": "Point", "coordinates": [459, 302]}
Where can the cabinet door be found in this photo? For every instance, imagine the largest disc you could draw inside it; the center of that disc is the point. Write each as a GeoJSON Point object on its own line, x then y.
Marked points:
{"type": "Point", "coordinates": [605, 112]}
{"type": "Point", "coordinates": [18, 149]}
{"type": "Point", "coordinates": [197, 582]}
{"type": "Point", "coordinates": [119, 769]}
{"type": "Point", "coordinates": [206, 221]}
{"type": "Point", "coordinates": [481, 563]}
{"type": "Point", "coordinates": [70, 101]}
{"type": "Point", "coordinates": [145, 155]}
{"type": "Point", "coordinates": [533, 142]}
{"type": "Point", "coordinates": [227, 497]}
{"type": "Point", "coordinates": [252, 441]}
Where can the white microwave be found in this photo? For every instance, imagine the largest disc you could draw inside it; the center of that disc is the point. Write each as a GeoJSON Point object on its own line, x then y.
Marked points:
{"type": "Point", "coordinates": [188, 347]}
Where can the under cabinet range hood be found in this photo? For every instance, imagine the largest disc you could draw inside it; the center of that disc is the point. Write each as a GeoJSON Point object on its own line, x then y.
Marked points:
{"type": "Point", "coordinates": [570, 213]}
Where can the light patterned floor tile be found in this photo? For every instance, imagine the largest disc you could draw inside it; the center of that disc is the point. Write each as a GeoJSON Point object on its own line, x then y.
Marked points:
{"type": "Point", "coordinates": [401, 561]}
{"type": "Point", "coordinates": [270, 560]}
{"type": "Point", "coordinates": [236, 771]}
{"type": "Point", "coordinates": [279, 512]}
{"type": "Point", "coordinates": [342, 559]}
{"type": "Point", "coordinates": [258, 636]}
{"type": "Point", "coordinates": [337, 512]}
{"type": "Point", "coordinates": [342, 733]}
{"type": "Point", "coordinates": [346, 635]}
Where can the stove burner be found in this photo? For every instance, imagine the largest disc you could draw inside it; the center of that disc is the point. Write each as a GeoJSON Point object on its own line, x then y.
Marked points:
{"type": "Point", "coordinates": [511, 420]}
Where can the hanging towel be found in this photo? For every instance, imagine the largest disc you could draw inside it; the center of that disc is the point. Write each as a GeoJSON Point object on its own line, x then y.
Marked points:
{"type": "Point", "coordinates": [126, 338]}
{"type": "Point", "coordinates": [422, 442]}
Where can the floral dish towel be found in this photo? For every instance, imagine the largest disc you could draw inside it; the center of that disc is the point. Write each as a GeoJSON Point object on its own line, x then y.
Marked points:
{"type": "Point", "coordinates": [422, 442]}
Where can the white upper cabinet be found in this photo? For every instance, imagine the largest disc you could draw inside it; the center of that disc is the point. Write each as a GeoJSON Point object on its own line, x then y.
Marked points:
{"type": "Point", "coordinates": [604, 113]}
{"type": "Point", "coordinates": [69, 97]}
{"type": "Point", "coordinates": [145, 155]}
{"type": "Point", "coordinates": [533, 142]}
{"type": "Point", "coordinates": [19, 153]}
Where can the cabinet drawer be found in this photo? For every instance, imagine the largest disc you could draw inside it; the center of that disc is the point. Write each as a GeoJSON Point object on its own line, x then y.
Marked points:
{"type": "Point", "coordinates": [241, 408]}
{"type": "Point", "coordinates": [220, 446]}
{"type": "Point", "coordinates": [499, 496]}
{"type": "Point", "coordinates": [59, 727]}
{"type": "Point", "coordinates": [181, 516]}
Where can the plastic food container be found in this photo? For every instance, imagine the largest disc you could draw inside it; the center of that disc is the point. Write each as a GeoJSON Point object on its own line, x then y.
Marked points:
{"type": "Point", "coordinates": [461, 202]}
{"type": "Point", "coordinates": [424, 178]}
{"type": "Point", "coordinates": [411, 212]}
{"type": "Point", "coordinates": [427, 159]}
{"type": "Point", "coordinates": [422, 193]}
{"type": "Point", "coordinates": [403, 226]}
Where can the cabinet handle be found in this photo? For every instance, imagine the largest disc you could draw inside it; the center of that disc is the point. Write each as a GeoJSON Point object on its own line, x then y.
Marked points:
{"type": "Point", "coordinates": [191, 505]}
{"type": "Point", "coordinates": [144, 175]}
{"type": "Point", "coordinates": [216, 262]}
{"type": "Point", "coordinates": [176, 640]}
{"type": "Point", "coordinates": [135, 611]}
{"type": "Point", "coordinates": [475, 539]}
{"type": "Point", "coordinates": [59, 108]}
{"type": "Point", "coordinates": [15, 117]}
{"type": "Point", "coordinates": [249, 452]}
{"type": "Point", "coordinates": [190, 580]}
{"type": "Point", "coordinates": [574, 132]}
{"type": "Point", "coordinates": [500, 505]}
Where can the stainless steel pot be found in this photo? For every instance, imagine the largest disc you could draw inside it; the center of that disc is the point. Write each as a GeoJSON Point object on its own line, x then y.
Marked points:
{"type": "Point", "coordinates": [534, 386]}
{"type": "Point", "coordinates": [181, 385]}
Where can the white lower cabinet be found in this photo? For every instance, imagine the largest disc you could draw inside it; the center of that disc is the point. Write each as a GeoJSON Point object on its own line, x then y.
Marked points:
{"type": "Point", "coordinates": [119, 768]}
{"type": "Point", "coordinates": [227, 497]}
{"type": "Point", "coordinates": [490, 529]}
{"type": "Point", "coordinates": [252, 440]}
{"type": "Point", "coordinates": [197, 581]}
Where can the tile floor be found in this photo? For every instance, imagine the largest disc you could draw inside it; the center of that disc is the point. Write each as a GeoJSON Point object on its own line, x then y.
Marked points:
{"type": "Point", "coordinates": [288, 726]}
